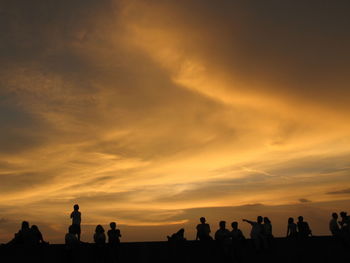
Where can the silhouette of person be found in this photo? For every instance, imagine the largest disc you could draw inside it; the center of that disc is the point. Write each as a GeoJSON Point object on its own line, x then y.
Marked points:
{"type": "Point", "coordinates": [345, 228]}
{"type": "Point", "coordinates": [222, 236]}
{"type": "Point", "coordinates": [72, 245]}
{"type": "Point", "coordinates": [113, 234]}
{"type": "Point", "coordinates": [236, 233]}
{"type": "Point", "coordinates": [37, 236]}
{"type": "Point", "coordinates": [333, 225]}
{"type": "Point", "coordinates": [178, 236]}
{"type": "Point", "coordinates": [76, 220]}
{"type": "Point", "coordinates": [256, 233]}
{"type": "Point", "coordinates": [203, 230]}
{"type": "Point", "coordinates": [237, 242]}
{"type": "Point", "coordinates": [345, 222]}
{"type": "Point", "coordinates": [292, 228]}
{"type": "Point", "coordinates": [304, 230]}
{"type": "Point", "coordinates": [70, 238]}
{"type": "Point", "coordinates": [99, 236]}
{"type": "Point", "coordinates": [24, 236]}
{"type": "Point", "coordinates": [114, 241]}
{"type": "Point", "coordinates": [100, 241]}
{"type": "Point", "coordinates": [176, 246]}
{"type": "Point", "coordinates": [267, 232]}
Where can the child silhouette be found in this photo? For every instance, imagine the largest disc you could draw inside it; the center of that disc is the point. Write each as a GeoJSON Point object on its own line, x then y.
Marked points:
{"type": "Point", "coordinates": [76, 220]}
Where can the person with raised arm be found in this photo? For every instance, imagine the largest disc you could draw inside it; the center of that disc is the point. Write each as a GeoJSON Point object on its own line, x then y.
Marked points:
{"type": "Point", "coordinates": [256, 233]}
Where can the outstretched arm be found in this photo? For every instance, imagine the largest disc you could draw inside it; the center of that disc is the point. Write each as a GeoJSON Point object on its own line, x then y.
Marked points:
{"type": "Point", "coordinates": [248, 221]}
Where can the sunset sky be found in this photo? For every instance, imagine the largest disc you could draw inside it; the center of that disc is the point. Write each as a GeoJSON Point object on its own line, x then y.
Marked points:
{"type": "Point", "coordinates": [155, 113]}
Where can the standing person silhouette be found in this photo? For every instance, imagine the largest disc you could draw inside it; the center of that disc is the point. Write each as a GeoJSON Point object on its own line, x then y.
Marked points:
{"type": "Point", "coordinates": [76, 220]}
{"type": "Point", "coordinates": [256, 233]}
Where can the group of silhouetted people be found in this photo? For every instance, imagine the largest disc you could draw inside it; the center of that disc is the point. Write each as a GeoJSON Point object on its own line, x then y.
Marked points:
{"type": "Point", "coordinates": [340, 229]}
{"type": "Point", "coordinates": [261, 232]}
{"type": "Point", "coordinates": [28, 236]}
{"type": "Point", "coordinates": [74, 231]}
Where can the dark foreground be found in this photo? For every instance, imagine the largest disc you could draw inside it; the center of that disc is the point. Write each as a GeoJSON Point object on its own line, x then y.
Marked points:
{"type": "Point", "coordinates": [315, 249]}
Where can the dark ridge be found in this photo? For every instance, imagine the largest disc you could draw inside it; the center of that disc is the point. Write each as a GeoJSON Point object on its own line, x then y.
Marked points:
{"type": "Point", "coordinates": [313, 249]}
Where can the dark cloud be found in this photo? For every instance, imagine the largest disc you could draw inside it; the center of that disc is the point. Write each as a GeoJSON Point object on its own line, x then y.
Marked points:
{"type": "Point", "coordinates": [290, 49]}
{"type": "Point", "coordinates": [304, 200]}
{"type": "Point", "coordinates": [340, 192]}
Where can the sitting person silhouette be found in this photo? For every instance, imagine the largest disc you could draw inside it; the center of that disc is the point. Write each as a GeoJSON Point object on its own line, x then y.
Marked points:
{"type": "Point", "coordinates": [203, 230]}
{"type": "Point", "coordinates": [267, 233]}
{"type": "Point", "coordinates": [71, 239]}
{"type": "Point", "coordinates": [222, 234]}
{"type": "Point", "coordinates": [24, 236]}
{"type": "Point", "coordinates": [345, 222]}
{"type": "Point", "coordinates": [113, 234]}
{"type": "Point", "coordinates": [99, 236]}
{"type": "Point", "coordinates": [238, 240]}
{"type": "Point", "coordinates": [292, 228]}
{"type": "Point", "coordinates": [223, 239]}
{"type": "Point", "coordinates": [178, 236]}
{"type": "Point", "coordinates": [37, 236]}
{"type": "Point", "coordinates": [76, 220]}
{"type": "Point", "coordinates": [304, 230]}
{"type": "Point", "coordinates": [256, 234]}
{"type": "Point", "coordinates": [267, 228]}
{"type": "Point", "coordinates": [236, 234]}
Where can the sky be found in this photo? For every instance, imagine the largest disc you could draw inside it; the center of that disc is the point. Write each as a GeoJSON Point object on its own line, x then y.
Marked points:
{"type": "Point", "coordinates": [155, 113]}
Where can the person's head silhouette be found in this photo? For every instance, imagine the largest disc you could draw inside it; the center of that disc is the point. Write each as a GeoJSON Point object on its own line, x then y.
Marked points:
{"type": "Point", "coordinates": [222, 224]}
{"type": "Point", "coordinates": [71, 229]}
{"type": "Point", "coordinates": [113, 225]}
{"type": "Point", "coordinates": [76, 207]}
{"type": "Point", "coordinates": [99, 229]}
{"type": "Point", "coordinates": [202, 219]}
{"type": "Point", "coordinates": [300, 219]}
{"type": "Point", "coordinates": [343, 214]}
{"type": "Point", "coordinates": [290, 220]}
{"type": "Point", "coordinates": [267, 220]}
{"type": "Point", "coordinates": [25, 225]}
{"type": "Point", "coordinates": [260, 219]}
{"type": "Point", "coordinates": [35, 228]}
{"type": "Point", "coordinates": [234, 225]}
{"type": "Point", "coordinates": [181, 232]}
{"type": "Point", "coordinates": [335, 216]}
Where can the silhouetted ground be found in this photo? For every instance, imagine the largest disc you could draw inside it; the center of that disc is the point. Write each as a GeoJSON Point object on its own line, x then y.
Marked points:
{"type": "Point", "coordinates": [315, 249]}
